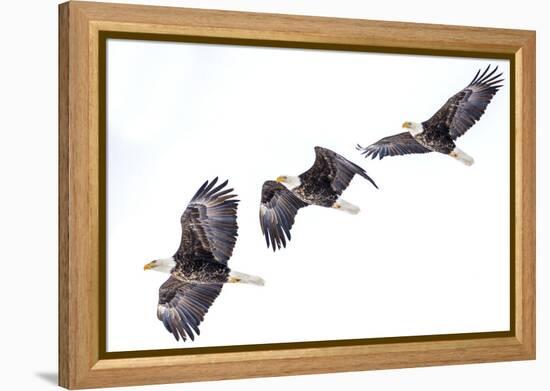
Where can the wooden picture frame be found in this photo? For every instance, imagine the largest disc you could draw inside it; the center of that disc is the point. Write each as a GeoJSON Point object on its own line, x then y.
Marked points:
{"type": "Point", "coordinates": [83, 29]}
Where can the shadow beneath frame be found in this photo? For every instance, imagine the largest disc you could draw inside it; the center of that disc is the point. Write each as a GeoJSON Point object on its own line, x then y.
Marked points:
{"type": "Point", "coordinates": [49, 377]}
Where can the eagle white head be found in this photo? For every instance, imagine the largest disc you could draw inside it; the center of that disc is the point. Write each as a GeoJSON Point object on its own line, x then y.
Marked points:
{"type": "Point", "coordinates": [414, 127]}
{"type": "Point", "coordinates": [289, 181]}
{"type": "Point", "coordinates": [164, 265]}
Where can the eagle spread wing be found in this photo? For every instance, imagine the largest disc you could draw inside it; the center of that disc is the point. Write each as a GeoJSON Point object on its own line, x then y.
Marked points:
{"type": "Point", "coordinates": [182, 306]}
{"type": "Point", "coordinates": [398, 144]}
{"type": "Point", "coordinates": [335, 169]}
{"type": "Point", "coordinates": [278, 208]}
{"type": "Point", "coordinates": [209, 224]}
{"type": "Point", "coordinates": [465, 108]}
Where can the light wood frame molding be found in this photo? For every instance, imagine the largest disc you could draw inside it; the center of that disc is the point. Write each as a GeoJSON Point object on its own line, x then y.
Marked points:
{"type": "Point", "coordinates": [83, 362]}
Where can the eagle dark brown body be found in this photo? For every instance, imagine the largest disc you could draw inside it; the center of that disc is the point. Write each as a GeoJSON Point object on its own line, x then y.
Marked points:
{"type": "Point", "coordinates": [436, 141]}
{"type": "Point", "coordinates": [202, 272]}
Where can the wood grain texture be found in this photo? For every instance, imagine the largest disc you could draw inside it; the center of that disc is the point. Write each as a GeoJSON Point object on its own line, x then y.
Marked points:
{"type": "Point", "coordinates": [63, 188]}
{"type": "Point", "coordinates": [80, 24]}
{"type": "Point", "coordinates": [526, 194]}
{"type": "Point", "coordinates": [291, 28]}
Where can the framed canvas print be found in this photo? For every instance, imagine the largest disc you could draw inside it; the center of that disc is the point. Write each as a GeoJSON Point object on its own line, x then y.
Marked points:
{"type": "Point", "coordinates": [247, 195]}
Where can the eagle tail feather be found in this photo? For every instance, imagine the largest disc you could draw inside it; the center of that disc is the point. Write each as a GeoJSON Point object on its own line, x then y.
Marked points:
{"type": "Point", "coordinates": [243, 278]}
{"type": "Point", "coordinates": [462, 156]}
{"type": "Point", "coordinates": [346, 206]}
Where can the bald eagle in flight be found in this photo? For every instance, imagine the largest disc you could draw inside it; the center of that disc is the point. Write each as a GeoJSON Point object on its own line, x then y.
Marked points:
{"type": "Point", "coordinates": [451, 121]}
{"type": "Point", "coordinates": [321, 185]}
{"type": "Point", "coordinates": [199, 268]}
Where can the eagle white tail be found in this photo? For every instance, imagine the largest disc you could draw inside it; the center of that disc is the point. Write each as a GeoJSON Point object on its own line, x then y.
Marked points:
{"type": "Point", "coordinates": [243, 278]}
{"type": "Point", "coordinates": [346, 206]}
{"type": "Point", "coordinates": [462, 156]}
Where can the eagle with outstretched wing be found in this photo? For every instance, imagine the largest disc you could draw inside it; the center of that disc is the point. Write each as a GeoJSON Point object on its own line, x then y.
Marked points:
{"type": "Point", "coordinates": [322, 185]}
{"type": "Point", "coordinates": [199, 267]}
{"type": "Point", "coordinates": [452, 120]}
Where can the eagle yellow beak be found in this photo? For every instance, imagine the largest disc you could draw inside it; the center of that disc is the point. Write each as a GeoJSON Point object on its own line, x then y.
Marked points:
{"type": "Point", "coordinates": [149, 266]}
{"type": "Point", "coordinates": [281, 179]}
{"type": "Point", "coordinates": [406, 125]}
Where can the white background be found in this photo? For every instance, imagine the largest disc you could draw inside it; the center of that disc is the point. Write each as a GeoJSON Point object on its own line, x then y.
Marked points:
{"type": "Point", "coordinates": [427, 255]}
{"type": "Point", "coordinates": [29, 197]}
